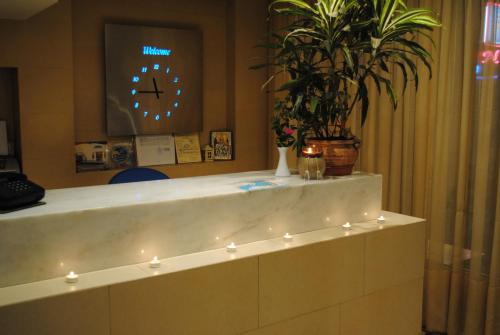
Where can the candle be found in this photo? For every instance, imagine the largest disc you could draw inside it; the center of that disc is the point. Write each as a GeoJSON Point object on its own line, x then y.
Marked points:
{"type": "Point", "coordinates": [381, 219]}
{"type": "Point", "coordinates": [287, 237]}
{"type": "Point", "coordinates": [347, 226]}
{"type": "Point", "coordinates": [155, 263]}
{"type": "Point", "coordinates": [71, 278]}
{"type": "Point", "coordinates": [231, 247]}
{"type": "Point", "coordinates": [312, 152]}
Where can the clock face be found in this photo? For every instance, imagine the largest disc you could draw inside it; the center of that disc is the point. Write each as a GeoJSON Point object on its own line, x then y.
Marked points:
{"type": "Point", "coordinates": [153, 80]}
{"type": "Point", "coordinates": [156, 93]}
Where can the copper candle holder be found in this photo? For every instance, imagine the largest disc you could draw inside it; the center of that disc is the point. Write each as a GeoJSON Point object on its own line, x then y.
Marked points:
{"type": "Point", "coordinates": [312, 164]}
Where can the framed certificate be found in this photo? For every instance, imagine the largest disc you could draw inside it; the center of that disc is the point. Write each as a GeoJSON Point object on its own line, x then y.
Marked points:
{"type": "Point", "coordinates": [187, 148]}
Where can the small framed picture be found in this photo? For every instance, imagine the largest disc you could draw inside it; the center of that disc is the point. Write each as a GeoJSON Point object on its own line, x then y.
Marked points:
{"type": "Point", "coordinates": [222, 143]}
{"type": "Point", "coordinates": [121, 153]}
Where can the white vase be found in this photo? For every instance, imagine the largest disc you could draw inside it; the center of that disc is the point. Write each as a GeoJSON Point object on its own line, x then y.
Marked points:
{"type": "Point", "coordinates": [282, 170]}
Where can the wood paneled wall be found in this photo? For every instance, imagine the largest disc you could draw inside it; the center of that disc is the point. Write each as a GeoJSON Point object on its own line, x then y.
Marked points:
{"type": "Point", "coordinates": [60, 57]}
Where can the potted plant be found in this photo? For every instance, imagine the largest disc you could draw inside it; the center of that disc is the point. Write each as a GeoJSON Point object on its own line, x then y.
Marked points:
{"type": "Point", "coordinates": [331, 50]}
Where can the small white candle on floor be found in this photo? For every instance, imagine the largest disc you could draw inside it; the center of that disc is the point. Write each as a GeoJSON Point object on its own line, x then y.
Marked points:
{"type": "Point", "coordinates": [381, 219]}
{"type": "Point", "coordinates": [231, 247]}
{"type": "Point", "coordinates": [71, 278]}
{"type": "Point", "coordinates": [287, 237]}
{"type": "Point", "coordinates": [155, 263]}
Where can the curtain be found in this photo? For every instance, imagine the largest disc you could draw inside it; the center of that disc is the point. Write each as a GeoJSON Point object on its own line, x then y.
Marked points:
{"type": "Point", "coordinates": [439, 155]}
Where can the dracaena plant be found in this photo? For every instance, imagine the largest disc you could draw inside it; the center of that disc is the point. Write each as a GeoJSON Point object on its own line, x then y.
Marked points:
{"type": "Point", "coordinates": [331, 49]}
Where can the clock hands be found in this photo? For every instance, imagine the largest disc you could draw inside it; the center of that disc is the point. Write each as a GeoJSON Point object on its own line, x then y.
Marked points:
{"type": "Point", "coordinates": [156, 91]}
{"type": "Point", "coordinates": [156, 88]}
{"type": "Point", "coordinates": [160, 92]}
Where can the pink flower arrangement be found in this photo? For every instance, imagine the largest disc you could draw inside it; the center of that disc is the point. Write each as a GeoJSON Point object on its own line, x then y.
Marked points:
{"type": "Point", "coordinates": [284, 132]}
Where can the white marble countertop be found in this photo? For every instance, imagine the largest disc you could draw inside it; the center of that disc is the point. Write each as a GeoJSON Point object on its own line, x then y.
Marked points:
{"type": "Point", "coordinates": [57, 286]}
{"type": "Point", "coordinates": [77, 199]}
{"type": "Point", "coordinates": [95, 228]}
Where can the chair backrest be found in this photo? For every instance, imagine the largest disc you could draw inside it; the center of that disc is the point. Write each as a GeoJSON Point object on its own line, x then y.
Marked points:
{"type": "Point", "coordinates": [137, 174]}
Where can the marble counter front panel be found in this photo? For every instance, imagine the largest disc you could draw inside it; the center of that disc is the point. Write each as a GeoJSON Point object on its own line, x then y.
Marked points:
{"type": "Point", "coordinates": [93, 228]}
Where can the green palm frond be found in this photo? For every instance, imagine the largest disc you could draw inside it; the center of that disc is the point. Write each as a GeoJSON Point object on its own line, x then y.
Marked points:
{"type": "Point", "coordinates": [331, 48]}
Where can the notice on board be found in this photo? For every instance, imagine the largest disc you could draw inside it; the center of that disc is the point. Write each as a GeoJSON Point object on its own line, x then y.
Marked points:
{"type": "Point", "coordinates": [155, 150]}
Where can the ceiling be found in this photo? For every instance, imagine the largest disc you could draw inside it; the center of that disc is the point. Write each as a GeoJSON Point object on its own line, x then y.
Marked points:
{"type": "Point", "coordinates": [22, 9]}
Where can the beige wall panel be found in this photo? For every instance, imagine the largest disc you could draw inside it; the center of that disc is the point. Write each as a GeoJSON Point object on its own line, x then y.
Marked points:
{"type": "Point", "coordinates": [220, 299]}
{"type": "Point", "coordinates": [46, 91]}
{"type": "Point", "coordinates": [252, 122]}
{"type": "Point", "coordinates": [37, 145]}
{"type": "Point", "coordinates": [306, 279]}
{"type": "Point", "coordinates": [42, 41]}
{"type": "Point", "coordinates": [392, 311]}
{"type": "Point", "coordinates": [323, 322]}
{"type": "Point", "coordinates": [47, 125]}
{"type": "Point", "coordinates": [81, 313]}
{"type": "Point", "coordinates": [41, 49]}
{"type": "Point", "coordinates": [394, 256]}
{"type": "Point", "coordinates": [51, 171]}
{"type": "Point", "coordinates": [60, 56]}
{"type": "Point", "coordinates": [10, 32]}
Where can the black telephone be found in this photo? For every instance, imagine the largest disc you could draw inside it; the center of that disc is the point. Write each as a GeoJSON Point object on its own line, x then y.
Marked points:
{"type": "Point", "coordinates": [17, 192]}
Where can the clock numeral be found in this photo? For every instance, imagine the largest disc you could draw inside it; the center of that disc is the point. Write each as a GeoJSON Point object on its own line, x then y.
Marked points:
{"type": "Point", "coordinates": [169, 114]}
{"type": "Point", "coordinates": [136, 105]}
{"type": "Point", "coordinates": [135, 79]}
{"type": "Point", "coordinates": [156, 66]}
{"type": "Point", "coordinates": [178, 93]}
{"type": "Point", "coordinates": [176, 104]}
{"type": "Point", "coordinates": [144, 69]}
{"type": "Point", "coordinates": [157, 117]}
{"type": "Point", "coordinates": [167, 70]}
{"type": "Point", "coordinates": [146, 114]}
{"type": "Point", "coordinates": [134, 91]}
{"type": "Point", "coordinates": [176, 80]}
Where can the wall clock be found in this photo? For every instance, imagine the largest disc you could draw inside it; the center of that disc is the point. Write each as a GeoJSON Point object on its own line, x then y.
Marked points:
{"type": "Point", "coordinates": [153, 80]}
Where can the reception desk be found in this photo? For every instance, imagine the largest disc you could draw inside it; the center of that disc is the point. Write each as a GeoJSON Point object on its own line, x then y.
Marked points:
{"type": "Point", "coordinates": [94, 228]}
{"type": "Point", "coordinates": [326, 279]}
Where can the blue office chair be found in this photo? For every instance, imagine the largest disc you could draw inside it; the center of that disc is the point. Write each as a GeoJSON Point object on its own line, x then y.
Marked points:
{"type": "Point", "coordinates": [137, 174]}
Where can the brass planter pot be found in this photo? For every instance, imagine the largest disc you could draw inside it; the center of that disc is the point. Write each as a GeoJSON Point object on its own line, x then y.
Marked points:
{"type": "Point", "coordinates": [340, 155]}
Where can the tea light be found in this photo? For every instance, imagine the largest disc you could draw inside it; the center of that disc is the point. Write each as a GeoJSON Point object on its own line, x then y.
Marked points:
{"type": "Point", "coordinates": [381, 219]}
{"type": "Point", "coordinates": [287, 237]}
{"type": "Point", "coordinates": [311, 163]}
{"type": "Point", "coordinates": [231, 247]}
{"type": "Point", "coordinates": [71, 278]}
{"type": "Point", "coordinates": [347, 226]}
{"type": "Point", "coordinates": [312, 152]}
{"type": "Point", "coordinates": [155, 263]}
